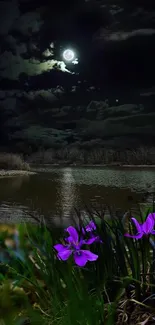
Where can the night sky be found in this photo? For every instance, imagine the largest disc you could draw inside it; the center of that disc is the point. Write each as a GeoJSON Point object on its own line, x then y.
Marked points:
{"type": "Point", "coordinates": [113, 43]}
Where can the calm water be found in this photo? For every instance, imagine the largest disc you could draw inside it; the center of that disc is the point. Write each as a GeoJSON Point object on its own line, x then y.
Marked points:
{"type": "Point", "coordinates": [55, 192]}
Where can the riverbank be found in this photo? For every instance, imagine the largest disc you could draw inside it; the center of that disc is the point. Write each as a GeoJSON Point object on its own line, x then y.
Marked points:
{"type": "Point", "coordinates": [14, 165]}
{"type": "Point", "coordinates": [7, 173]}
{"type": "Point", "coordinates": [63, 164]}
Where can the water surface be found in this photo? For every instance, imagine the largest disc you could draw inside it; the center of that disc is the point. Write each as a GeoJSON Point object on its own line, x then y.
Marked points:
{"type": "Point", "coordinates": [54, 192]}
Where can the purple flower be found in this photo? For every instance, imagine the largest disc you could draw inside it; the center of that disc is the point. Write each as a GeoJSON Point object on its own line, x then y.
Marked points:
{"type": "Point", "coordinates": [81, 241]}
{"type": "Point", "coordinates": [81, 256]}
{"type": "Point", "coordinates": [144, 229]}
{"type": "Point", "coordinates": [90, 227]}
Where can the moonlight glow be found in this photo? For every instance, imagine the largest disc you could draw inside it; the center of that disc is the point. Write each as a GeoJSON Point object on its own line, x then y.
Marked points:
{"type": "Point", "coordinates": [68, 55]}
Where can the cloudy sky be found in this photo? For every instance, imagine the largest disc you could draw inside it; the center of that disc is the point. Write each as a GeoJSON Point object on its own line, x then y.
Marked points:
{"type": "Point", "coordinates": [105, 36]}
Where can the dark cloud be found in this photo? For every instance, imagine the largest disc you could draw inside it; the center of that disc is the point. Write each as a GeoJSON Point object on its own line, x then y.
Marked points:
{"type": "Point", "coordinates": [9, 12]}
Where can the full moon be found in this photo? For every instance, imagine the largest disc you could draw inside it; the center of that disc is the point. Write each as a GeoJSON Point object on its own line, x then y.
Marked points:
{"type": "Point", "coordinates": [68, 55]}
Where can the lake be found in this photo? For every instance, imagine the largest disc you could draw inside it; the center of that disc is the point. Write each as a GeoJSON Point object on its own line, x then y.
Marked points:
{"type": "Point", "coordinates": [55, 192]}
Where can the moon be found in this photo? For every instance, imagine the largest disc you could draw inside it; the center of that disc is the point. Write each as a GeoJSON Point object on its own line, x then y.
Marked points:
{"type": "Point", "coordinates": [68, 55]}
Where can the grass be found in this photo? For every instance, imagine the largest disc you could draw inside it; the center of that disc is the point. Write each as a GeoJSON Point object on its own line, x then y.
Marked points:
{"type": "Point", "coordinates": [74, 155]}
{"type": "Point", "coordinates": [10, 161]}
{"type": "Point", "coordinates": [37, 287]}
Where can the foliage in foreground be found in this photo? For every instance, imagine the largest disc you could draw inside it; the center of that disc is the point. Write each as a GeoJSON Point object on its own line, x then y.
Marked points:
{"type": "Point", "coordinates": [40, 288]}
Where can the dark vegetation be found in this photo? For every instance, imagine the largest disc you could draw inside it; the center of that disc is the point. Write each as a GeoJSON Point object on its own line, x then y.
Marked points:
{"type": "Point", "coordinates": [38, 288]}
{"type": "Point", "coordinates": [10, 161]}
{"type": "Point", "coordinates": [89, 156]}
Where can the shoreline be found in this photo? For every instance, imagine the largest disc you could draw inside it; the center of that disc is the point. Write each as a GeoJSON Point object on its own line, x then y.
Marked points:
{"type": "Point", "coordinates": [7, 173]}
{"type": "Point", "coordinates": [33, 165]}
{"type": "Point", "coordinates": [13, 173]}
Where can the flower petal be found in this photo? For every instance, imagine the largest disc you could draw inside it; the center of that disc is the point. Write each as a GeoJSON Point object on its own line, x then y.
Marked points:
{"type": "Point", "coordinates": [73, 234]}
{"type": "Point", "coordinates": [83, 231]}
{"type": "Point", "coordinates": [148, 225]}
{"type": "Point", "coordinates": [80, 259]}
{"type": "Point", "coordinates": [152, 215]}
{"type": "Point", "coordinates": [152, 232]}
{"type": "Point", "coordinates": [137, 224]}
{"type": "Point", "coordinates": [69, 240]}
{"type": "Point", "coordinates": [89, 255]}
{"type": "Point", "coordinates": [90, 240]}
{"type": "Point", "coordinates": [60, 248]}
{"type": "Point", "coordinates": [65, 254]}
{"type": "Point", "coordinates": [138, 236]}
{"type": "Point", "coordinates": [91, 226]}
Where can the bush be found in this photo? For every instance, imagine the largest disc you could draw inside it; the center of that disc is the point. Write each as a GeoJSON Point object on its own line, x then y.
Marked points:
{"type": "Point", "coordinates": [12, 161]}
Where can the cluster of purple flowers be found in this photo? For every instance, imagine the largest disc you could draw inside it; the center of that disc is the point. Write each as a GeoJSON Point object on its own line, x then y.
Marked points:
{"type": "Point", "coordinates": [74, 245]}
{"type": "Point", "coordinates": [74, 242]}
{"type": "Point", "coordinates": [144, 229]}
